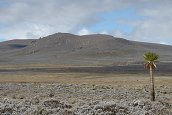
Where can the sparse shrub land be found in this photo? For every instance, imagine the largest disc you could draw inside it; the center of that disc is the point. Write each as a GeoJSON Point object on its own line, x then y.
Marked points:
{"type": "Point", "coordinates": [82, 99]}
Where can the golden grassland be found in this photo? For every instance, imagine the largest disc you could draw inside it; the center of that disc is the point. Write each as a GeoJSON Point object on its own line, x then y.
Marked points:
{"type": "Point", "coordinates": [18, 66]}
{"type": "Point", "coordinates": [84, 78]}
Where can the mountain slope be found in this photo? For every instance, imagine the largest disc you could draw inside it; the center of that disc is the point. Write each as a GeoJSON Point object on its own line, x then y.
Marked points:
{"type": "Point", "coordinates": [69, 49]}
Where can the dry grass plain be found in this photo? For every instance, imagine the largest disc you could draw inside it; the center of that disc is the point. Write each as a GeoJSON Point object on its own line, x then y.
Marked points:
{"type": "Point", "coordinates": [113, 79]}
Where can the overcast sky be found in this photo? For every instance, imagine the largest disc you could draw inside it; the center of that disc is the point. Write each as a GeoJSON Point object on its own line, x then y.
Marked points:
{"type": "Point", "coordinates": [140, 20]}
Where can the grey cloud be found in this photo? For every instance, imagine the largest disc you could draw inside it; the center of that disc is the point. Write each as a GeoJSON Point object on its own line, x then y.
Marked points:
{"type": "Point", "coordinates": [37, 18]}
{"type": "Point", "coordinates": [158, 26]}
{"type": "Point", "coordinates": [58, 15]}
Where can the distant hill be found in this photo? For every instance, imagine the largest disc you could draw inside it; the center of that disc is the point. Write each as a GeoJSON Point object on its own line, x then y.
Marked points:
{"type": "Point", "coordinates": [87, 50]}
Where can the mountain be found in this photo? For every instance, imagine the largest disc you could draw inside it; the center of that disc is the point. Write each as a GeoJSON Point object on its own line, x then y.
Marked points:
{"type": "Point", "coordinates": [86, 50]}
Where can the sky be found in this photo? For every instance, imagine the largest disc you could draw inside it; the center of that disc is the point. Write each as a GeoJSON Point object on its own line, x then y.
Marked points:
{"type": "Point", "coordinates": [138, 20]}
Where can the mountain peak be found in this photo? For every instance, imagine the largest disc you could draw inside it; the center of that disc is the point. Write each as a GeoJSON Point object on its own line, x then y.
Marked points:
{"type": "Point", "coordinates": [61, 35]}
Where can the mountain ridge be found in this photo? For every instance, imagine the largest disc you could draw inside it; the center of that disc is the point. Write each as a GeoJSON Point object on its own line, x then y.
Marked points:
{"type": "Point", "coordinates": [69, 49]}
